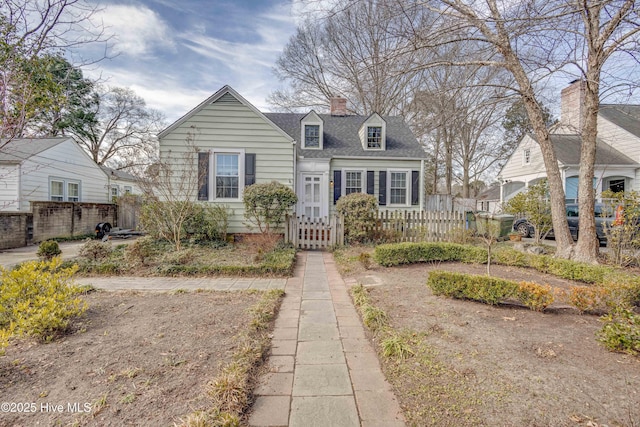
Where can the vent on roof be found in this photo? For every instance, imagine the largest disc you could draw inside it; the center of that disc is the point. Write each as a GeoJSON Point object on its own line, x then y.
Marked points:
{"type": "Point", "coordinates": [338, 106]}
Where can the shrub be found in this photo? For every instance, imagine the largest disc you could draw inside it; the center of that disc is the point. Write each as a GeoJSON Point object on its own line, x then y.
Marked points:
{"type": "Point", "coordinates": [534, 296]}
{"type": "Point", "coordinates": [140, 251]}
{"type": "Point", "coordinates": [467, 286]}
{"type": "Point", "coordinates": [95, 250]}
{"type": "Point", "coordinates": [359, 212]}
{"type": "Point", "coordinates": [408, 253]}
{"type": "Point", "coordinates": [365, 260]}
{"type": "Point", "coordinates": [265, 205]}
{"type": "Point", "coordinates": [588, 298]}
{"type": "Point", "coordinates": [621, 331]}
{"type": "Point", "coordinates": [208, 223]}
{"type": "Point", "coordinates": [36, 300]}
{"type": "Point", "coordinates": [48, 249]}
{"type": "Point", "coordinates": [623, 239]}
{"type": "Point", "coordinates": [535, 205]}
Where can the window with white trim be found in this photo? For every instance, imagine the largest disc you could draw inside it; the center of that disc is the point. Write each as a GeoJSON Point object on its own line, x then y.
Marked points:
{"type": "Point", "coordinates": [114, 191]}
{"type": "Point", "coordinates": [311, 136]}
{"type": "Point", "coordinates": [374, 137]}
{"type": "Point", "coordinates": [128, 189]}
{"type": "Point", "coordinates": [73, 192]}
{"type": "Point", "coordinates": [227, 175]}
{"type": "Point", "coordinates": [353, 182]}
{"type": "Point", "coordinates": [526, 156]}
{"type": "Point", "coordinates": [399, 187]}
{"type": "Point", "coordinates": [56, 190]}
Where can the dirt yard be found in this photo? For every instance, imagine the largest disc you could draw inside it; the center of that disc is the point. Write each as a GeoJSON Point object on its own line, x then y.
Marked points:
{"type": "Point", "coordinates": [519, 367]}
{"type": "Point", "coordinates": [133, 359]}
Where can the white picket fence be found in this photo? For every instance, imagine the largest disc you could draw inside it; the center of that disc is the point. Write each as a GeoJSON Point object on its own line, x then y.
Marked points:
{"type": "Point", "coordinates": [397, 226]}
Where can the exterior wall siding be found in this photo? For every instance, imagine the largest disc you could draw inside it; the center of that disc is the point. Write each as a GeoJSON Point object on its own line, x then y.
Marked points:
{"type": "Point", "coordinates": [9, 188]}
{"type": "Point", "coordinates": [65, 161]}
{"type": "Point", "coordinates": [375, 165]}
{"type": "Point", "coordinates": [623, 141]}
{"type": "Point", "coordinates": [229, 124]}
{"type": "Point", "coordinates": [515, 168]}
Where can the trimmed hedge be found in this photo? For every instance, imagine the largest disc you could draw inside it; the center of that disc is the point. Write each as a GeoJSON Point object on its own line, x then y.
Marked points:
{"type": "Point", "coordinates": [276, 263]}
{"type": "Point", "coordinates": [409, 253]}
{"type": "Point", "coordinates": [489, 290]}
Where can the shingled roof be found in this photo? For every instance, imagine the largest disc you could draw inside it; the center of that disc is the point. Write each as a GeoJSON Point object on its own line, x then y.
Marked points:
{"type": "Point", "coordinates": [341, 137]}
{"type": "Point", "coordinates": [626, 116]}
{"type": "Point", "coordinates": [567, 148]}
{"type": "Point", "coordinates": [20, 149]}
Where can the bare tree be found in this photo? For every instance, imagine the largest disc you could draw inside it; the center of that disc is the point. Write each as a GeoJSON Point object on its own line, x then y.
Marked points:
{"type": "Point", "coordinates": [31, 33]}
{"type": "Point", "coordinates": [346, 54]}
{"type": "Point", "coordinates": [531, 40]}
{"type": "Point", "coordinates": [121, 130]}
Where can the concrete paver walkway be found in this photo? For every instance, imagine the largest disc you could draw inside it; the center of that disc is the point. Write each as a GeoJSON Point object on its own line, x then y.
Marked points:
{"type": "Point", "coordinates": [323, 370]}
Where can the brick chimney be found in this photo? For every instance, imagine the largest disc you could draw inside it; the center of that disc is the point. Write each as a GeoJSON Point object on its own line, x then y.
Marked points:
{"type": "Point", "coordinates": [338, 106]}
{"type": "Point", "coordinates": [572, 101]}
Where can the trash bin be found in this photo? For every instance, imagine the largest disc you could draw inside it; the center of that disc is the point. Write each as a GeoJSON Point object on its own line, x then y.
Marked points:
{"type": "Point", "coordinates": [498, 225]}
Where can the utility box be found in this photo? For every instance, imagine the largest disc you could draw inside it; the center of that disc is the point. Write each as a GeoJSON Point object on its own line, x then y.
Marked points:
{"type": "Point", "coordinates": [497, 225]}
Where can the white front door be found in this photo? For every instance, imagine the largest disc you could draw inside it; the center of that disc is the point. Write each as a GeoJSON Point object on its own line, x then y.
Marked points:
{"type": "Point", "coordinates": [312, 195]}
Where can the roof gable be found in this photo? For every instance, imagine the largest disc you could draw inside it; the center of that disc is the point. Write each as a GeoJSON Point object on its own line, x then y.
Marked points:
{"type": "Point", "coordinates": [625, 116]}
{"type": "Point", "coordinates": [20, 149]}
{"type": "Point", "coordinates": [225, 95]}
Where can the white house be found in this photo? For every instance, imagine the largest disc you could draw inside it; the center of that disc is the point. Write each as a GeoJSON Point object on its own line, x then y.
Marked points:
{"type": "Point", "coordinates": [55, 169]}
{"type": "Point", "coordinates": [617, 165]}
{"type": "Point", "coordinates": [320, 156]}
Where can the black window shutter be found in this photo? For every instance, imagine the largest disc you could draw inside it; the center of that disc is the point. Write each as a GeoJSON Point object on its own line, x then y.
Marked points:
{"type": "Point", "coordinates": [203, 176]}
{"type": "Point", "coordinates": [337, 185]}
{"type": "Point", "coordinates": [382, 188]}
{"type": "Point", "coordinates": [370, 182]}
{"type": "Point", "coordinates": [415, 187]}
{"type": "Point", "coordinates": [249, 169]}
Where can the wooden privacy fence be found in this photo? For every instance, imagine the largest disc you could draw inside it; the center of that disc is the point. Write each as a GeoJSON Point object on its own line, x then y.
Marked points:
{"type": "Point", "coordinates": [418, 226]}
{"type": "Point", "coordinates": [314, 233]}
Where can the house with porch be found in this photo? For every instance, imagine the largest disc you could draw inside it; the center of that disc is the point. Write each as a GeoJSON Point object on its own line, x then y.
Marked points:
{"type": "Point", "coordinates": [320, 156]}
{"type": "Point", "coordinates": [617, 165]}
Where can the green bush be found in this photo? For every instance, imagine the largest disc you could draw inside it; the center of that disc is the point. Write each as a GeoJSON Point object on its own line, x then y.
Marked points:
{"type": "Point", "coordinates": [485, 289]}
{"type": "Point", "coordinates": [266, 205]}
{"type": "Point", "coordinates": [208, 223]}
{"type": "Point", "coordinates": [37, 300]}
{"type": "Point", "coordinates": [359, 212]}
{"type": "Point", "coordinates": [95, 250]}
{"type": "Point", "coordinates": [621, 331]}
{"type": "Point", "coordinates": [409, 253]}
{"type": "Point", "coordinates": [141, 251]}
{"type": "Point", "coordinates": [535, 297]}
{"type": "Point", "coordinates": [48, 249]}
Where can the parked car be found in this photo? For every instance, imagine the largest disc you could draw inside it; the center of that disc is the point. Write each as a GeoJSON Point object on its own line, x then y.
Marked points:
{"type": "Point", "coordinates": [603, 216]}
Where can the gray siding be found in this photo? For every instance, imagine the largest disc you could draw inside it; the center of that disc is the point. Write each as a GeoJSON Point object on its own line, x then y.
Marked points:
{"type": "Point", "coordinates": [229, 124]}
{"type": "Point", "coordinates": [9, 185]}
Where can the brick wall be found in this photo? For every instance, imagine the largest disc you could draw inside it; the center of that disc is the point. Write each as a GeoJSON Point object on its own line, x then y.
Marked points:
{"type": "Point", "coordinates": [14, 229]}
{"type": "Point", "coordinates": [65, 219]}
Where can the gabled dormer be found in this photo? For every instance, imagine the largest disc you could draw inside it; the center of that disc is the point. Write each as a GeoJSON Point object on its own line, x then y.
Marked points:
{"type": "Point", "coordinates": [311, 129]}
{"type": "Point", "coordinates": [373, 133]}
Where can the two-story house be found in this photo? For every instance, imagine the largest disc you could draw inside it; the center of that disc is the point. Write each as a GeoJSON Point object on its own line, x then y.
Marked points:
{"type": "Point", "coordinates": [320, 156]}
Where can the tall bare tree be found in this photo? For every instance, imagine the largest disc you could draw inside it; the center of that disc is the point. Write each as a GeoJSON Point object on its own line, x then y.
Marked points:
{"type": "Point", "coordinates": [121, 129]}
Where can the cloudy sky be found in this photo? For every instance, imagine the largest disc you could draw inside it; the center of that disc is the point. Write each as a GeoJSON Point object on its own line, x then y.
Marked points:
{"type": "Point", "coordinates": [176, 53]}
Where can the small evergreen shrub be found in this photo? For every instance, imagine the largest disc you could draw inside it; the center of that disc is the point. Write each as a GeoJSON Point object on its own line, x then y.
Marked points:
{"type": "Point", "coordinates": [141, 251]}
{"type": "Point", "coordinates": [208, 223]}
{"type": "Point", "coordinates": [484, 289]}
{"type": "Point", "coordinates": [37, 300]}
{"type": "Point", "coordinates": [95, 250]}
{"type": "Point", "coordinates": [588, 299]}
{"type": "Point", "coordinates": [621, 331]}
{"type": "Point", "coordinates": [409, 253]}
{"type": "Point", "coordinates": [48, 249]}
{"type": "Point", "coordinates": [266, 205]}
{"type": "Point", "coordinates": [359, 211]}
{"type": "Point", "coordinates": [534, 296]}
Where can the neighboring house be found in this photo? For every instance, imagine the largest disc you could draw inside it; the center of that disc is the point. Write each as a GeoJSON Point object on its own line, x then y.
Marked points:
{"type": "Point", "coordinates": [120, 183]}
{"type": "Point", "coordinates": [489, 200]}
{"type": "Point", "coordinates": [617, 165]}
{"type": "Point", "coordinates": [39, 169]}
{"type": "Point", "coordinates": [320, 156]}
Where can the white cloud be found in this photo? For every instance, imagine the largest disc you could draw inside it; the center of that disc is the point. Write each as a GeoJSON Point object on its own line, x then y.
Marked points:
{"type": "Point", "coordinates": [136, 30]}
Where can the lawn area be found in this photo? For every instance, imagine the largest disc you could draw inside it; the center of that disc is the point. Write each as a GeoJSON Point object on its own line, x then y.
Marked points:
{"type": "Point", "coordinates": [462, 363]}
{"type": "Point", "coordinates": [137, 359]}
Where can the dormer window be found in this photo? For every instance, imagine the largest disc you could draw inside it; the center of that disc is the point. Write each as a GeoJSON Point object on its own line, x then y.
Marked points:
{"type": "Point", "coordinates": [312, 136]}
{"type": "Point", "coordinates": [374, 137]}
{"type": "Point", "coordinates": [311, 131]}
{"type": "Point", "coordinates": [373, 133]}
